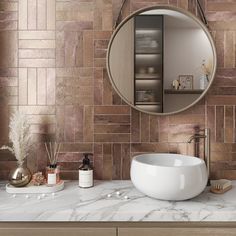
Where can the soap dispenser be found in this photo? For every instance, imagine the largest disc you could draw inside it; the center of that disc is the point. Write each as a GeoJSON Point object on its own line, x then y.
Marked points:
{"type": "Point", "coordinates": [86, 172]}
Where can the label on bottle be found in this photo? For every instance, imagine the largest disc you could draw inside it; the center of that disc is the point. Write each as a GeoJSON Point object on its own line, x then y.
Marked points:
{"type": "Point", "coordinates": [85, 178]}
{"type": "Point", "coordinates": [52, 179]}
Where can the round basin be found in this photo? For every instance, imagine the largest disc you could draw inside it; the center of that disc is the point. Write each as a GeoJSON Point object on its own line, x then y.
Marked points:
{"type": "Point", "coordinates": [169, 176]}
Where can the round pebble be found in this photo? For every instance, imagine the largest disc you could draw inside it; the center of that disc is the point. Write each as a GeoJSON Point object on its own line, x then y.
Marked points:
{"type": "Point", "coordinates": [43, 195]}
{"type": "Point", "coordinates": [117, 193]}
{"type": "Point", "coordinates": [109, 195]}
{"type": "Point", "coordinates": [126, 197]}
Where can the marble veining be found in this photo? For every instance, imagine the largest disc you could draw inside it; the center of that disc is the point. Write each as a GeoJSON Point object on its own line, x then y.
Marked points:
{"type": "Point", "coordinates": [75, 204]}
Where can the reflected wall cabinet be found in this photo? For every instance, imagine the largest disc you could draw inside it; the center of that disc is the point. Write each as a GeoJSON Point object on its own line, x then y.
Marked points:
{"type": "Point", "coordinates": [148, 62]}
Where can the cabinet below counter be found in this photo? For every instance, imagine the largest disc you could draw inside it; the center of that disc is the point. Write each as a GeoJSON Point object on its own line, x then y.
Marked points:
{"type": "Point", "coordinates": [117, 229]}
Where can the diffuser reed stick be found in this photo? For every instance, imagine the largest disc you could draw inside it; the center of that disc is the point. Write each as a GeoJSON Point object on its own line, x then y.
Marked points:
{"type": "Point", "coordinates": [53, 150]}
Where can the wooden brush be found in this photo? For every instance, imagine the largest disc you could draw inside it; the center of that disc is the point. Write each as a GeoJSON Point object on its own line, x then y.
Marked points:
{"type": "Point", "coordinates": [220, 186]}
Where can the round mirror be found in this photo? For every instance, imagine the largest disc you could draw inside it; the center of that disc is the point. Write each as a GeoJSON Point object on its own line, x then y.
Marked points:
{"type": "Point", "coordinates": [161, 60]}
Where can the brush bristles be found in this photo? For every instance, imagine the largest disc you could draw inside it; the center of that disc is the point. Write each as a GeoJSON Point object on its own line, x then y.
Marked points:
{"type": "Point", "coordinates": [220, 184]}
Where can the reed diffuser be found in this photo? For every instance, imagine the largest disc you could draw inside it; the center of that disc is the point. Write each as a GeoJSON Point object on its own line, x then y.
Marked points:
{"type": "Point", "coordinates": [53, 170]}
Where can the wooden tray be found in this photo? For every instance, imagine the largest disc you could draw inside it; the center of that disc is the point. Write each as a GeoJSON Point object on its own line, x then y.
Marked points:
{"type": "Point", "coordinates": [35, 189]}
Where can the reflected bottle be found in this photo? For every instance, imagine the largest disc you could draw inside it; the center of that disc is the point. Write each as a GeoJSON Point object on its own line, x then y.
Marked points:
{"type": "Point", "coordinates": [203, 82]}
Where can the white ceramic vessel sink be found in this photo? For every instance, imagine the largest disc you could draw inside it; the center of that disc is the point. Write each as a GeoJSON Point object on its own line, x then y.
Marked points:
{"type": "Point", "coordinates": [169, 176]}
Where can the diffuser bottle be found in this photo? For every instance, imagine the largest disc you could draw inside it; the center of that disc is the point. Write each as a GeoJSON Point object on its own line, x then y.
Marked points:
{"type": "Point", "coordinates": [53, 174]}
{"type": "Point", "coordinates": [86, 172]}
{"type": "Point", "coordinates": [53, 170]}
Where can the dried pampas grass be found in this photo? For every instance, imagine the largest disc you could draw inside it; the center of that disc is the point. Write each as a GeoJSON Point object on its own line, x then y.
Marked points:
{"type": "Point", "coordinates": [19, 135]}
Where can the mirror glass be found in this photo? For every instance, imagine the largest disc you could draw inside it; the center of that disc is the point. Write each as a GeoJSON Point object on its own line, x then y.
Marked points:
{"type": "Point", "coordinates": [161, 60]}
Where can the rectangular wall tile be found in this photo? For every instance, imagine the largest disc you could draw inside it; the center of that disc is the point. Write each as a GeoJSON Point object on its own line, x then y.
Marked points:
{"type": "Point", "coordinates": [37, 110]}
{"type": "Point", "coordinates": [220, 42]}
{"type": "Point", "coordinates": [10, 25]}
{"type": "Point", "coordinates": [107, 161]}
{"type": "Point", "coordinates": [60, 121]}
{"type": "Point", "coordinates": [229, 56]}
{"type": "Point", "coordinates": [9, 53]}
{"type": "Point", "coordinates": [221, 6]}
{"type": "Point", "coordinates": [32, 14]}
{"type": "Point", "coordinates": [51, 14]}
{"type": "Point", "coordinates": [111, 128]}
{"type": "Point", "coordinates": [229, 124]}
{"type": "Point", "coordinates": [41, 86]}
{"type": "Point", "coordinates": [41, 14]}
{"type": "Point", "coordinates": [149, 147]}
{"type": "Point", "coordinates": [98, 86]}
{"type": "Point", "coordinates": [116, 165]}
{"type": "Point", "coordinates": [112, 119]}
{"type": "Point", "coordinates": [111, 110]}
{"type": "Point", "coordinates": [126, 159]}
{"type": "Point", "coordinates": [9, 6]}
{"type": "Point", "coordinates": [154, 129]}
{"type": "Point", "coordinates": [23, 86]}
{"type": "Point", "coordinates": [145, 128]}
{"type": "Point", "coordinates": [88, 124]}
{"type": "Point", "coordinates": [211, 121]}
{"type": "Point", "coordinates": [79, 112]}
{"type": "Point", "coordinates": [135, 126]}
{"type": "Point", "coordinates": [70, 49]}
{"type": "Point", "coordinates": [88, 48]}
{"type": "Point", "coordinates": [25, 43]}
{"type": "Point", "coordinates": [34, 34]}
{"type": "Point", "coordinates": [221, 100]}
{"type": "Point", "coordinates": [51, 89]}
{"type": "Point", "coordinates": [219, 124]}
{"type": "Point", "coordinates": [112, 138]}
{"type": "Point", "coordinates": [23, 14]}
{"type": "Point", "coordinates": [60, 48]}
{"type": "Point", "coordinates": [69, 124]}
{"type": "Point", "coordinates": [164, 129]}
{"type": "Point", "coordinates": [98, 161]}
{"type": "Point", "coordinates": [36, 53]}
{"type": "Point", "coordinates": [107, 96]}
{"type": "Point", "coordinates": [36, 62]}
{"type": "Point", "coordinates": [76, 147]}
{"type": "Point", "coordinates": [32, 86]}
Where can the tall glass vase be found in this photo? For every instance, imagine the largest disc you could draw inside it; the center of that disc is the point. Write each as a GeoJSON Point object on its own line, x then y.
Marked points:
{"type": "Point", "coordinates": [203, 81]}
{"type": "Point", "coordinates": [20, 176]}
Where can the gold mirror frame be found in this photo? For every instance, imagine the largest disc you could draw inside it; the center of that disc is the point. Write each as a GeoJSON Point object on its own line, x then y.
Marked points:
{"type": "Point", "coordinates": [163, 7]}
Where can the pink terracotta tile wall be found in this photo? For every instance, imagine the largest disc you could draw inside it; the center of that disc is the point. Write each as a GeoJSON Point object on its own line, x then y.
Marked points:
{"type": "Point", "coordinates": [53, 67]}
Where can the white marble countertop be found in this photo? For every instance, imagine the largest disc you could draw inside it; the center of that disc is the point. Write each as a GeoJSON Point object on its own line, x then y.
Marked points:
{"type": "Point", "coordinates": [86, 205]}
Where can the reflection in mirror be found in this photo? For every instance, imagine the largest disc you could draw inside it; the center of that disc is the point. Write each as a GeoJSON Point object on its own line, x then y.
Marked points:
{"type": "Point", "coordinates": [161, 60]}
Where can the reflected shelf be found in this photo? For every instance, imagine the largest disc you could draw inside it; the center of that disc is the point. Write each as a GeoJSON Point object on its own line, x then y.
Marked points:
{"type": "Point", "coordinates": [184, 91]}
{"type": "Point", "coordinates": [147, 53]}
{"type": "Point", "coordinates": [147, 103]}
{"type": "Point", "coordinates": [147, 76]}
{"type": "Point", "coordinates": [140, 30]}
